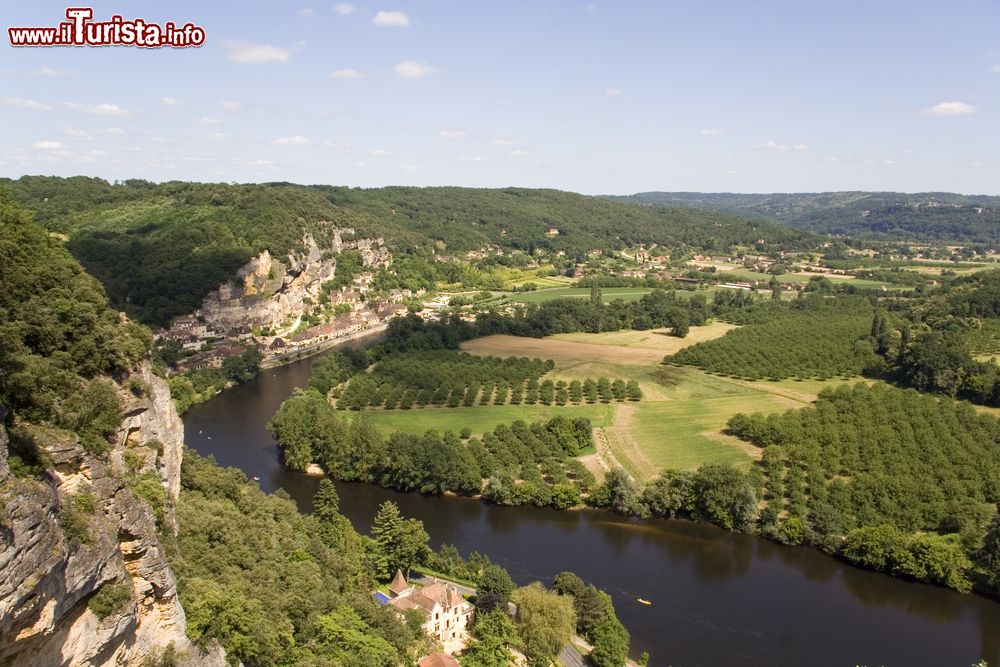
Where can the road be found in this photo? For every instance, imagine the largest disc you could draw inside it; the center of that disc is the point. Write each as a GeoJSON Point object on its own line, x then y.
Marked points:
{"type": "Point", "coordinates": [568, 657]}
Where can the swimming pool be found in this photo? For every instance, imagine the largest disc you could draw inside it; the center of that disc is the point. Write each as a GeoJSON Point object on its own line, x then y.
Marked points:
{"type": "Point", "coordinates": [381, 597]}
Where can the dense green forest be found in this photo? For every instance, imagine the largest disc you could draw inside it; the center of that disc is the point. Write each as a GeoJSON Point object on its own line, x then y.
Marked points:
{"type": "Point", "coordinates": [928, 216]}
{"type": "Point", "coordinates": [276, 587]}
{"type": "Point", "coordinates": [931, 344]}
{"type": "Point", "coordinates": [158, 249]}
{"type": "Point", "coordinates": [60, 344]}
{"type": "Point", "coordinates": [517, 218]}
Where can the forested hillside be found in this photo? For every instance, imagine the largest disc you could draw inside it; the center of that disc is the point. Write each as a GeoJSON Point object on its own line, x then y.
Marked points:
{"type": "Point", "coordinates": [58, 338]}
{"type": "Point", "coordinates": [930, 216]}
{"type": "Point", "coordinates": [467, 218]}
{"type": "Point", "coordinates": [160, 248]}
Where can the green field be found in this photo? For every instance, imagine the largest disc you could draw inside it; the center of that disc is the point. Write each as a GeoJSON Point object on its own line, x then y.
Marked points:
{"type": "Point", "coordinates": [609, 294]}
{"type": "Point", "coordinates": [685, 430]}
{"type": "Point", "coordinates": [802, 279]}
{"type": "Point", "coordinates": [481, 418]}
{"type": "Point", "coordinates": [678, 424]}
{"type": "Point", "coordinates": [680, 420]}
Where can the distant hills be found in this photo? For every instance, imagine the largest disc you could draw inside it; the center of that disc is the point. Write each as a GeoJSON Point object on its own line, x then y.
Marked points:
{"type": "Point", "coordinates": [159, 248]}
{"type": "Point", "coordinates": [925, 216]}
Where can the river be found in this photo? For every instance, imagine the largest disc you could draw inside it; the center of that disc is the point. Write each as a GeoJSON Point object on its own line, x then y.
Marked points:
{"type": "Point", "coordinates": [717, 598]}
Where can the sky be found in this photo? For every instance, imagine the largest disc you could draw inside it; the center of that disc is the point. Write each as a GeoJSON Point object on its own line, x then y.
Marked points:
{"type": "Point", "coordinates": [599, 98]}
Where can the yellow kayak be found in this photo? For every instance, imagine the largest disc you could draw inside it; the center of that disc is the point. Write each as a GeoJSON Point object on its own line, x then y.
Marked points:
{"type": "Point", "coordinates": [642, 601]}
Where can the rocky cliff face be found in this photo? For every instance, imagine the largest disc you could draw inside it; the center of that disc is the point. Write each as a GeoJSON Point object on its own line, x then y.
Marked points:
{"type": "Point", "coordinates": [267, 291]}
{"type": "Point", "coordinates": [84, 579]}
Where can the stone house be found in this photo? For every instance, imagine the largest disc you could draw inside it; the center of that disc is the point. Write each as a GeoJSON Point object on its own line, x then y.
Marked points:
{"type": "Point", "coordinates": [448, 613]}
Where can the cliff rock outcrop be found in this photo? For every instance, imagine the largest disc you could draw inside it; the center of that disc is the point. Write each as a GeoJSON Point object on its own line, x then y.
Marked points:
{"type": "Point", "coordinates": [267, 291]}
{"type": "Point", "coordinates": [84, 579]}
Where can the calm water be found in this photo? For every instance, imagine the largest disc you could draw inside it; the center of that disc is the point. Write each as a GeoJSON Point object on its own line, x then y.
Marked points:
{"type": "Point", "coordinates": [718, 598]}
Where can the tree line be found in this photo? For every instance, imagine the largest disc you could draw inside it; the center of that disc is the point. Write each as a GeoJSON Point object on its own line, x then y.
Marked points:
{"type": "Point", "coordinates": [514, 464]}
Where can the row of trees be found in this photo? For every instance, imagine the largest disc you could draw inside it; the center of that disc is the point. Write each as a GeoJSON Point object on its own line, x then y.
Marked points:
{"type": "Point", "coordinates": [393, 388]}
{"type": "Point", "coordinates": [871, 466]}
{"type": "Point", "coordinates": [439, 377]}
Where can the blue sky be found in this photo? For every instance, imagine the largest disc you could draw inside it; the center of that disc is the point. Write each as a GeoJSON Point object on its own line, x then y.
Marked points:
{"type": "Point", "coordinates": [602, 97]}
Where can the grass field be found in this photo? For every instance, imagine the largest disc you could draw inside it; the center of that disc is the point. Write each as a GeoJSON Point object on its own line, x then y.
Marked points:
{"type": "Point", "coordinates": [481, 418]}
{"type": "Point", "coordinates": [736, 272]}
{"type": "Point", "coordinates": [680, 420]}
{"type": "Point", "coordinates": [609, 294]}
{"type": "Point", "coordinates": [654, 339]}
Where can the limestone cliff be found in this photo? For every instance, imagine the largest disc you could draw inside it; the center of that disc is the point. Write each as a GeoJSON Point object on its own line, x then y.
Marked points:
{"type": "Point", "coordinates": [82, 539]}
{"type": "Point", "coordinates": [267, 291]}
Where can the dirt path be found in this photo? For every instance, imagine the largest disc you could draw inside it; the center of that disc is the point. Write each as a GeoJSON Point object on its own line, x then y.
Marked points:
{"type": "Point", "coordinates": [619, 436]}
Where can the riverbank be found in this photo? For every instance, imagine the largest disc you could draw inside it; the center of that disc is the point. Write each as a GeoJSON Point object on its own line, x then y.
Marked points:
{"type": "Point", "coordinates": [368, 335]}
{"type": "Point", "coordinates": [323, 346]}
{"type": "Point", "coordinates": [719, 598]}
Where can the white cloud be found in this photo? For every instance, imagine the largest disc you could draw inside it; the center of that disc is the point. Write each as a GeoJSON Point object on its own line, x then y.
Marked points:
{"type": "Point", "coordinates": [592, 9]}
{"type": "Point", "coordinates": [47, 71]}
{"type": "Point", "coordinates": [212, 136]}
{"type": "Point", "coordinates": [451, 134]}
{"type": "Point", "coordinates": [995, 69]}
{"type": "Point", "coordinates": [77, 133]}
{"type": "Point", "coordinates": [501, 142]}
{"type": "Point", "coordinates": [391, 20]}
{"type": "Point", "coordinates": [346, 74]}
{"type": "Point", "coordinates": [408, 167]}
{"type": "Point", "coordinates": [296, 140]}
{"type": "Point", "coordinates": [305, 13]}
{"type": "Point", "coordinates": [22, 103]}
{"type": "Point", "coordinates": [951, 109]}
{"type": "Point", "coordinates": [47, 145]}
{"type": "Point", "coordinates": [171, 101]}
{"type": "Point", "coordinates": [249, 53]}
{"type": "Point", "coordinates": [114, 131]}
{"type": "Point", "coordinates": [208, 120]}
{"type": "Point", "coordinates": [612, 92]}
{"type": "Point", "coordinates": [474, 158]}
{"type": "Point", "coordinates": [711, 132]}
{"type": "Point", "coordinates": [231, 106]}
{"type": "Point", "coordinates": [380, 152]}
{"type": "Point", "coordinates": [411, 69]}
{"type": "Point", "coordinates": [344, 8]}
{"type": "Point", "coordinates": [518, 153]}
{"type": "Point", "coordinates": [99, 109]}
{"type": "Point", "coordinates": [777, 146]}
